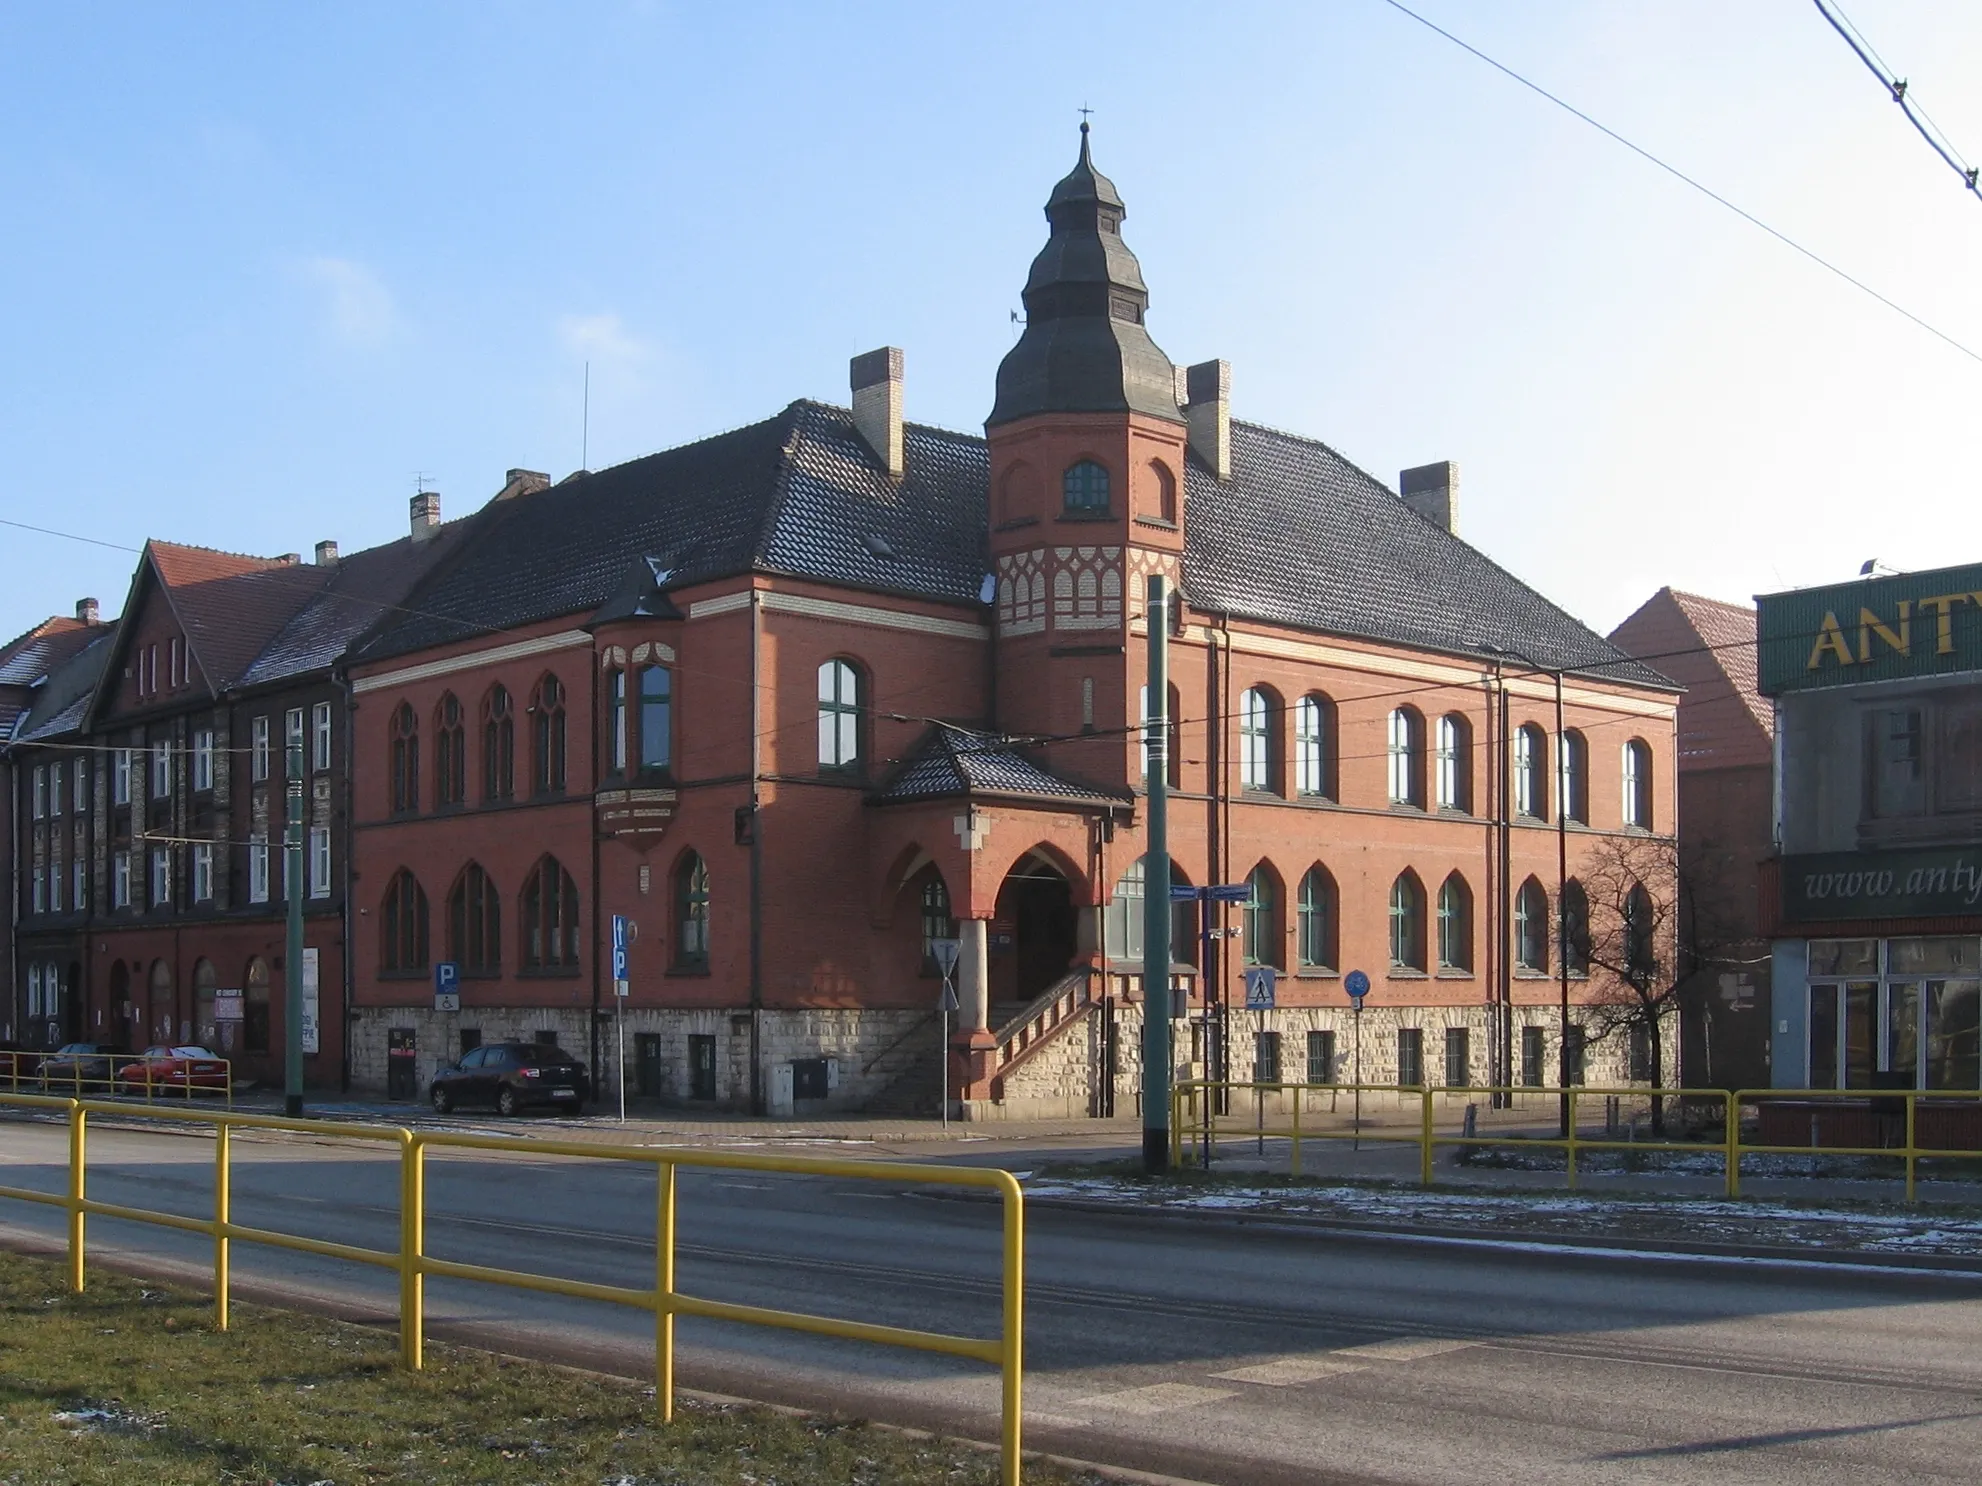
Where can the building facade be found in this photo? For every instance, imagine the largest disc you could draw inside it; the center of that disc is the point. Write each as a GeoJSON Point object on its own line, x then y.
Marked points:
{"type": "Point", "coordinates": [1874, 907]}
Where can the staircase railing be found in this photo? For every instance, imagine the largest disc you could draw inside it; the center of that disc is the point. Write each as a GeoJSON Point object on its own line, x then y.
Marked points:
{"type": "Point", "coordinates": [1045, 1014]}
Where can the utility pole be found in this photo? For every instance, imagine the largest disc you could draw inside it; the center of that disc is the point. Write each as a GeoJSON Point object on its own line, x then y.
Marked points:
{"type": "Point", "coordinates": [292, 1001]}
{"type": "Point", "coordinates": [1156, 888]}
{"type": "Point", "coordinates": [1563, 784]}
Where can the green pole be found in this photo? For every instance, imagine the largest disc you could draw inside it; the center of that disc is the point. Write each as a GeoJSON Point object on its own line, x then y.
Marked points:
{"type": "Point", "coordinates": [1156, 890]}
{"type": "Point", "coordinates": [292, 878]}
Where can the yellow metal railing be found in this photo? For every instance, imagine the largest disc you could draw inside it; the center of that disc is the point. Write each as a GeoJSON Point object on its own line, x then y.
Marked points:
{"type": "Point", "coordinates": [1412, 1119]}
{"type": "Point", "coordinates": [413, 1264]}
{"type": "Point", "coordinates": [74, 1085]}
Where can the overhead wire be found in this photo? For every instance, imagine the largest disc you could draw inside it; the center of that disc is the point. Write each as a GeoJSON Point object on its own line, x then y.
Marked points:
{"type": "Point", "coordinates": [1902, 94]}
{"type": "Point", "coordinates": [1677, 174]}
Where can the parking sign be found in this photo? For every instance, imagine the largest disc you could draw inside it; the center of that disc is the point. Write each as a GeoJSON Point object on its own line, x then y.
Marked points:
{"type": "Point", "coordinates": [447, 986]}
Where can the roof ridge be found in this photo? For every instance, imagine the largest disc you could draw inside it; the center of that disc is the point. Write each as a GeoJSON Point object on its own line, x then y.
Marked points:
{"type": "Point", "coordinates": [936, 428]}
{"type": "Point", "coordinates": [270, 562]}
{"type": "Point", "coordinates": [1702, 598]}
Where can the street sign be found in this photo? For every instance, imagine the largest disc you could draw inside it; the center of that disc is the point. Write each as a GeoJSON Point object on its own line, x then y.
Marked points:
{"type": "Point", "coordinates": [1356, 984]}
{"type": "Point", "coordinates": [945, 952]}
{"type": "Point", "coordinates": [621, 937]}
{"type": "Point", "coordinates": [621, 988]}
{"type": "Point", "coordinates": [1259, 987]}
{"type": "Point", "coordinates": [447, 986]}
{"type": "Point", "coordinates": [1230, 892]}
{"type": "Point", "coordinates": [1183, 893]}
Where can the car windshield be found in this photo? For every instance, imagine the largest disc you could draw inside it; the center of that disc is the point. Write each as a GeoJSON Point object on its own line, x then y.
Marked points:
{"type": "Point", "coordinates": [190, 1052]}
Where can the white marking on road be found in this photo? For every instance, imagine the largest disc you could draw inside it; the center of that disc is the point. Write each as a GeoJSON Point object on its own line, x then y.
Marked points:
{"type": "Point", "coordinates": [1286, 1372]}
{"type": "Point", "coordinates": [1404, 1349]}
{"type": "Point", "coordinates": [1157, 1398]}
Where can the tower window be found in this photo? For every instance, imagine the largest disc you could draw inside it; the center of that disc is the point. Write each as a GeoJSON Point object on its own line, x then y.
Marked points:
{"type": "Point", "coordinates": [1084, 489]}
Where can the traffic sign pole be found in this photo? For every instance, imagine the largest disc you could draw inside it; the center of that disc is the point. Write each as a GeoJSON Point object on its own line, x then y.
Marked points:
{"type": "Point", "coordinates": [1357, 984]}
{"type": "Point", "coordinates": [622, 937]}
{"type": "Point", "coordinates": [946, 952]}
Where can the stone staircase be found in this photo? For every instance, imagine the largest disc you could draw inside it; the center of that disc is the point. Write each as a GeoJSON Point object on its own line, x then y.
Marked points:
{"type": "Point", "coordinates": [1021, 1030]}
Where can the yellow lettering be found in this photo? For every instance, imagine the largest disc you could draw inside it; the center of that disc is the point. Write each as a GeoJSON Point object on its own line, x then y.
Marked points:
{"type": "Point", "coordinates": [1830, 637]}
{"type": "Point", "coordinates": [1942, 605]}
{"type": "Point", "coordinates": [1869, 624]}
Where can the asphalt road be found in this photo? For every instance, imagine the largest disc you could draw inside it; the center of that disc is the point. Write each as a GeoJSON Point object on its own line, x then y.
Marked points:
{"type": "Point", "coordinates": [1221, 1353]}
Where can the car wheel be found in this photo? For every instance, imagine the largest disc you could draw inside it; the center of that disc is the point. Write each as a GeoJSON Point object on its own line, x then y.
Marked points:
{"type": "Point", "coordinates": [506, 1102]}
{"type": "Point", "coordinates": [441, 1101]}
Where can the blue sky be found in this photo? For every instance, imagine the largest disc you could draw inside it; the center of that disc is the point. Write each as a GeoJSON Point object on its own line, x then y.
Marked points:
{"type": "Point", "coordinates": [266, 264]}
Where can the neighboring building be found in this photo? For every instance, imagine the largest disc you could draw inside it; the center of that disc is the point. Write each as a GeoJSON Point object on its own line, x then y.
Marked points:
{"type": "Point", "coordinates": [1875, 907]}
{"type": "Point", "coordinates": [149, 775]}
{"type": "Point", "coordinates": [802, 698]}
{"type": "Point", "coordinates": [1726, 828]}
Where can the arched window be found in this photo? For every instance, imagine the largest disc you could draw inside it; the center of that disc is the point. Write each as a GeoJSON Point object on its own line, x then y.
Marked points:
{"type": "Point", "coordinates": [254, 1007]}
{"type": "Point", "coordinates": [1531, 772]}
{"type": "Point", "coordinates": [1454, 760]}
{"type": "Point", "coordinates": [656, 717]}
{"type": "Point", "coordinates": [1641, 951]}
{"type": "Point", "coordinates": [405, 759]}
{"type": "Point", "coordinates": [450, 753]}
{"type": "Point", "coordinates": [1638, 784]}
{"type": "Point", "coordinates": [1314, 746]}
{"type": "Point", "coordinates": [1573, 777]}
{"type": "Point", "coordinates": [1316, 921]}
{"type": "Point", "coordinates": [1407, 922]}
{"type": "Point", "coordinates": [1124, 928]}
{"type": "Point", "coordinates": [1455, 924]}
{"type": "Point", "coordinates": [616, 741]}
{"type": "Point", "coordinates": [1163, 486]}
{"type": "Point", "coordinates": [547, 729]}
{"type": "Point", "coordinates": [403, 924]}
{"type": "Point", "coordinates": [1407, 758]}
{"type": "Point", "coordinates": [839, 717]}
{"type": "Point", "coordinates": [1259, 717]}
{"type": "Point", "coordinates": [936, 921]}
{"type": "Point", "coordinates": [691, 913]}
{"type": "Point", "coordinates": [1173, 754]}
{"type": "Point", "coordinates": [550, 918]}
{"type": "Point", "coordinates": [1531, 923]}
{"type": "Point", "coordinates": [474, 922]}
{"type": "Point", "coordinates": [1084, 489]}
{"type": "Point", "coordinates": [1263, 941]}
{"type": "Point", "coordinates": [1575, 928]}
{"type": "Point", "coordinates": [498, 745]}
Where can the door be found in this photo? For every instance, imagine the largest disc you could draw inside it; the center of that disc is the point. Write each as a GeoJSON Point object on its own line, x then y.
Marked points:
{"type": "Point", "coordinates": [402, 1064]}
{"type": "Point", "coordinates": [647, 1064]}
{"type": "Point", "coordinates": [701, 1066]}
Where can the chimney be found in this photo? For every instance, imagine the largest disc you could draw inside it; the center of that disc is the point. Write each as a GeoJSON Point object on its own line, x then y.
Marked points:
{"type": "Point", "coordinates": [1432, 490]}
{"type": "Point", "coordinates": [877, 404]}
{"type": "Point", "coordinates": [1208, 411]}
{"type": "Point", "coordinates": [326, 554]}
{"type": "Point", "coordinates": [291, 559]}
{"type": "Point", "coordinates": [426, 514]}
{"type": "Point", "coordinates": [523, 482]}
{"type": "Point", "coordinates": [86, 610]}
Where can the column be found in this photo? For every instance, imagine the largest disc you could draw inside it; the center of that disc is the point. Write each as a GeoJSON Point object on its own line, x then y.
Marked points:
{"type": "Point", "coordinates": [974, 975]}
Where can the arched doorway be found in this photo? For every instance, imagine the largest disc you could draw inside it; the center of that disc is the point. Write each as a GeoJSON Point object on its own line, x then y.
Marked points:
{"type": "Point", "coordinates": [158, 1021]}
{"type": "Point", "coordinates": [118, 1033]}
{"type": "Point", "coordinates": [205, 1029]}
{"type": "Point", "coordinates": [1035, 935]}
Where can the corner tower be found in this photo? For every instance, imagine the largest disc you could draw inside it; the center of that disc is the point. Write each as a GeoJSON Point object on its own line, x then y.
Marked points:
{"type": "Point", "coordinates": [1087, 443]}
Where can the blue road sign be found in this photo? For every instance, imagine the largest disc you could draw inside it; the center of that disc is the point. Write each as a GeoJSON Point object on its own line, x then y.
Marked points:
{"type": "Point", "coordinates": [1259, 987]}
{"type": "Point", "coordinates": [1230, 892]}
{"type": "Point", "coordinates": [1356, 984]}
{"type": "Point", "coordinates": [1184, 893]}
{"type": "Point", "coordinates": [447, 977]}
{"type": "Point", "coordinates": [619, 938]}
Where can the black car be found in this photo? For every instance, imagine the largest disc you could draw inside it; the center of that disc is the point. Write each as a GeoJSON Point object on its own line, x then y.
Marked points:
{"type": "Point", "coordinates": [512, 1076]}
{"type": "Point", "coordinates": [83, 1069]}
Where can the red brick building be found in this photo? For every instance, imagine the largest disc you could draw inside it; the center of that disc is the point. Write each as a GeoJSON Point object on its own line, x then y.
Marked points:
{"type": "Point", "coordinates": [802, 698]}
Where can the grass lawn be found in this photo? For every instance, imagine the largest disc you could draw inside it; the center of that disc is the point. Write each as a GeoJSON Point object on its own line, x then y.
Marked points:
{"type": "Point", "coordinates": [129, 1383]}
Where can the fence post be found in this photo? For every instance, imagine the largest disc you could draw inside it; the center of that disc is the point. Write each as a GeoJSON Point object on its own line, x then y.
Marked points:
{"type": "Point", "coordinates": [1424, 1135]}
{"type": "Point", "coordinates": [1912, 1108]}
{"type": "Point", "coordinates": [412, 1248]}
{"type": "Point", "coordinates": [223, 1214]}
{"type": "Point", "coordinates": [664, 1297]}
{"type": "Point", "coordinates": [1732, 1134]}
{"type": "Point", "coordinates": [1569, 1141]}
{"type": "Point", "coordinates": [78, 1151]}
{"type": "Point", "coordinates": [1012, 1369]}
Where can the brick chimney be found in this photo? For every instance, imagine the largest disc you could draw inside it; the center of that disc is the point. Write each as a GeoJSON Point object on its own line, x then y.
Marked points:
{"type": "Point", "coordinates": [1208, 411]}
{"type": "Point", "coordinates": [523, 482]}
{"type": "Point", "coordinates": [877, 404]}
{"type": "Point", "coordinates": [1432, 490]}
{"type": "Point", "coordinates": [86, 611]}
{"type": "Point", "coordinates": [426, 514]}
{"type": "Point", "coordinates": [326, 554]}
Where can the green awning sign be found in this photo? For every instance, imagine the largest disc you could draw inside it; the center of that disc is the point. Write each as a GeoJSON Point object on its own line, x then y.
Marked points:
{"type": "Point", "coordinates": [1876, 629]}
{"type": "Point", "coordinates": [1831, 886]}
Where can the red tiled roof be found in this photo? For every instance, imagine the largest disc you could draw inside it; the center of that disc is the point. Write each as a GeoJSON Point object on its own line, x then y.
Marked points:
{"type": "Point", "coordinates": [1707, 646]}
{"type": "Point", "coordinates": [231, 604]}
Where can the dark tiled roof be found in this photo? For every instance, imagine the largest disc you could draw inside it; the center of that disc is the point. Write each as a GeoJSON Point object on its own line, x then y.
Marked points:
{"type": "Point", "coordinates": [62, 701]}
{"type": "Point", "coordinates": [364, 592]}
{"type": "Point", "coordinates": [799, 494]}
{"type": "Point", "coordinates": [955, 761]}
{"type": "Point", "coordinates": [27, 659]}
{"type": "Point", "coordinates": [1299, 536]}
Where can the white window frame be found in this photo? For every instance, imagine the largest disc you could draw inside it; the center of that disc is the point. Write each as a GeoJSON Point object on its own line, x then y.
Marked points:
{"type": "Point", "coordinates": [55, 877]}
{"type": "Point", "coordinates": [258, 868]}
{"type": "Point", "coordinates": [1310, 748]}
{"type": "Point", "coordinates": [292, 739]}
{"type": "Point", "coordinates": [1403, 750]}
{"type": "Point", "coordinates": [40, 890]}
{"type": "Point", "coordinates": [120, 880]}
{"type": "Point", "coordinates": [320, 737]}
{"type": "Point", "coordinates": [160, 878]}
{"type": "Point", "coordinates": [40, 792]}
{"type": "Point", "coordinates": [203, 872]}
{"type": "Point", "coordinates": [79, 883]}
{"type": "Point", "coordinates": [120, 777]}
{"type": "Point", "coordinates": [319, 861]}
{"type": "Point", "coordinates": [79, 786]}
{"type": "Point", "coordinates": [839, 715]}
{"type": "Point", "coordinates": [1445, 754]}
{"type": "Point", "coordinates": [34, 991]}
{"type": "Point", "coordinates": [161, 771]}
{"type": "Point", "coordinates": [1255, 740]}
{"type": "Point", "coordinates": [202, 759]}
{"type": "Point", "coordinates": [258, 749]}
{"type": "Point", "coordinates": [54, 790]}
{"type": "Point", "coordinates": [1637, 789]}
{"type": "Point", "coordinates": [1524, 774]}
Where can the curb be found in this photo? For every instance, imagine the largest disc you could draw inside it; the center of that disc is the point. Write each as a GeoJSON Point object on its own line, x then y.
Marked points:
{"type": "Point", "coordinates": [1588, 1245]}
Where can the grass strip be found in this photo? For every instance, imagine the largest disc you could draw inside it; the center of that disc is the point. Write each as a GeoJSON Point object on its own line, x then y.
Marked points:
{"type": "Point", "coordinates": [129, 1382]}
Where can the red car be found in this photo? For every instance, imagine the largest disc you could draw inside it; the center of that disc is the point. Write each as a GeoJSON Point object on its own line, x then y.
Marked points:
{"type": "Point", "coordinates": [174, 1069]}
